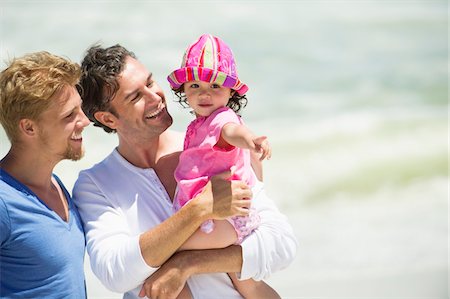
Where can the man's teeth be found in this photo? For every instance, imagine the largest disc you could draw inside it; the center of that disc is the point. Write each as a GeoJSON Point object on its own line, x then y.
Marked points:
{"type": "Point", "coordinates": [155, 113]}
{"type": "Point", "coordinates": [76, 136]}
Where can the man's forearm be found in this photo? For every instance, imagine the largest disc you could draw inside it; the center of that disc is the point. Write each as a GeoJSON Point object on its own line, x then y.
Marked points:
{"type": "Point", "coordinates": [170, 278]}
{"type": "Point", "coordinates": [222, 260]}
{"type": "Point", "coordinates": [159, 243]}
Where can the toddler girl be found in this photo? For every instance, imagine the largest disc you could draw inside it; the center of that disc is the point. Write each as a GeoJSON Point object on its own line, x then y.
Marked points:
{"type": "Point", "coordinates": [216, 141]}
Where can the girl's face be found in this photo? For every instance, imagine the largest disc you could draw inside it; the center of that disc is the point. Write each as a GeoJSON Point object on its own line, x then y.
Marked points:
{"type": "Point", "coordinates": [204, 98]}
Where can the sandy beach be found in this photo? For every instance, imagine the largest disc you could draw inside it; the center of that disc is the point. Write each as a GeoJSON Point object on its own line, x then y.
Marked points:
{"type": "Point", "coordinates": [353, 96]}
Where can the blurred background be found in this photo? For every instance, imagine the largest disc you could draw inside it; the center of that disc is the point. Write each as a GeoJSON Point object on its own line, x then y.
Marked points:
{"type": "Point", "coordinates": [353, 96]}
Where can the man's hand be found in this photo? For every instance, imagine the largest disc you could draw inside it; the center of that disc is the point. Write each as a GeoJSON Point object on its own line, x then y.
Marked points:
{"type": "Point", "coordinates": [225, 198]}
{"type": "Point", "coordinates": [168, 281]}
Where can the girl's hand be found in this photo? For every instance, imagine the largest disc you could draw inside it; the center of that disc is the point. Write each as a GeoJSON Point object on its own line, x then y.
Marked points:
{"type": "Point", "coordinates": [262, 146]}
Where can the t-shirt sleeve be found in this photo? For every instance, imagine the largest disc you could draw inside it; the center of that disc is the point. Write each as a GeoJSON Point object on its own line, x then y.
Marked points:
{"type": "Point", "coordinates": [115, 255]}
{"type": "Point", "coordinates": [5, 226]}
{"type": "Point", "coordinates": [272, 246]}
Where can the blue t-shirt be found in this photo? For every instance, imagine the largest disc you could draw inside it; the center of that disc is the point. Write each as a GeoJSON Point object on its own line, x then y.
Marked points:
{"type": "Point", "coordinates": [41, 255]}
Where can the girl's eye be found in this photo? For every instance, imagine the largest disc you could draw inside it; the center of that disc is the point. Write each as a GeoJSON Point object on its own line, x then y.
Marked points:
{"type": "Point", "coordinates": [150, 84]}
{"type": "Point", "coordinates": [215, 85]}
{"type": "Point", "coordinates": [194, 85]}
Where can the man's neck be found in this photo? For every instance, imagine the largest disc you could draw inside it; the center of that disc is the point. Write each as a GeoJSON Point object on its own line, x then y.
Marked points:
{"type": "Point", "coordinates": [161, 155]}
{"type": "Point", "coordinates": [28, 167]}
{"type": "Point", "coordinates": [35, 172]}
{"type": "Point", "coordinates": [142, 153]}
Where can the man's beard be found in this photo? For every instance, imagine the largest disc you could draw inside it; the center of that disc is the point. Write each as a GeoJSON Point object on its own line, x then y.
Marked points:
{"type": "Point", "coordinates": [71, 154]}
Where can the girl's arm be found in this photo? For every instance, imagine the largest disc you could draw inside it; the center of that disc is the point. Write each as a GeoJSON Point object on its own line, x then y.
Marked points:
{"type": "Point", "coordinates": [240, 136]}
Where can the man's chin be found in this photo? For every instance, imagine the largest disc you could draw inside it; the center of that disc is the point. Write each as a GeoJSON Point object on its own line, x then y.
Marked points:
{"type": "Point", "coordinates": [74, 155]}
{"type": "Point", "coordinates": [76, 158]}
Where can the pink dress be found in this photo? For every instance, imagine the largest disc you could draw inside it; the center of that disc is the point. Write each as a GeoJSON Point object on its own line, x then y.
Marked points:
{"type": "Point", "coordinates": [201, 159]}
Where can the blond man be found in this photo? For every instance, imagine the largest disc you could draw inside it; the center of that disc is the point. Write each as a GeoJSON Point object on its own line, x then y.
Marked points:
{"type": "Point", "coordinates": [41, 235]}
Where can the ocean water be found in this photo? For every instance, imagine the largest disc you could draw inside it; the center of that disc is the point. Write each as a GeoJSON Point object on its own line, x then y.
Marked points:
{"type": "Point", "coordinates": [353, 96]}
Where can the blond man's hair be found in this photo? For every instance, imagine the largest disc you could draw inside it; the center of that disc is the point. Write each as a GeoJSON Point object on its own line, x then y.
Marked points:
{"type": "Point", "coordinates": [28, 84]}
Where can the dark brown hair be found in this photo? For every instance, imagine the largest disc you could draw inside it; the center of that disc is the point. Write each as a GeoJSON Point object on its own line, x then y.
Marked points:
{"type": "Point", "coordinates": [98, 85]}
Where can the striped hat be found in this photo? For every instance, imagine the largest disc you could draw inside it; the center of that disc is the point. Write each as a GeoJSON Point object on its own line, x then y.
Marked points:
{"type": "Point", "coordinates": [208, 59]}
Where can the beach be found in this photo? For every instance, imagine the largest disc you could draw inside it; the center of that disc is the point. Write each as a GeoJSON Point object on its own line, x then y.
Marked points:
{"type": "Point", "coordinates": [353, 96]}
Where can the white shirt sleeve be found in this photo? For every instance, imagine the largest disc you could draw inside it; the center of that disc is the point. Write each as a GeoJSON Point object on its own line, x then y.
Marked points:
{"type": "Point", "coordinates": [272, 246]}
{"type": "Point", "coordinates": [113, 249]}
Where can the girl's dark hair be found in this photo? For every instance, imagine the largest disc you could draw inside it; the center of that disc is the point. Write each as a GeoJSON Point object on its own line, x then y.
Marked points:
{"type": "Point", "coordinates": [235, 103]}
{"type": "Point", "coordinates": [98, 84]}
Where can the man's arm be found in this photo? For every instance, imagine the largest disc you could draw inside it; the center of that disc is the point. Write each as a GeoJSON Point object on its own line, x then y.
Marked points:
{"type": "Point", "coordinates": [271, 247]}
{"type": "Point", "coordinates": [170, 278]}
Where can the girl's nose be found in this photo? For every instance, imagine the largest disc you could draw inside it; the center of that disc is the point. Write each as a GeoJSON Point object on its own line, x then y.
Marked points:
{"type": "Point", "coordinates": [204, 92]}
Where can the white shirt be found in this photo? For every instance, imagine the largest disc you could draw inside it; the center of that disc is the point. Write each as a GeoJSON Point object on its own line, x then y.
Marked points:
{"type": "Point", "coordinates": [118, 201]}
